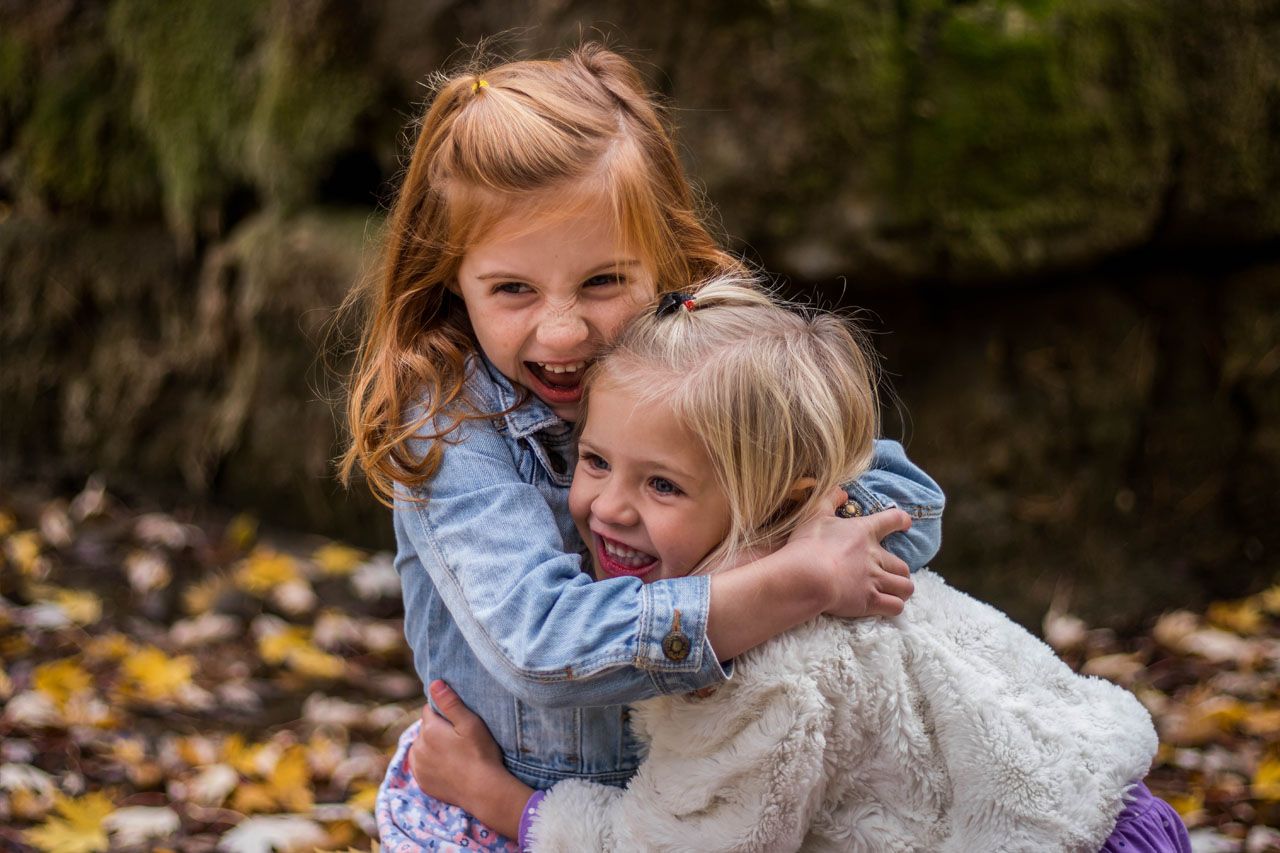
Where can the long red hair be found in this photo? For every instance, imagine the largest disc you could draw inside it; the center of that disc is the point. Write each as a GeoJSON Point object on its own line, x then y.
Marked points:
{"type": "Point", "coordinates": [584, 124]}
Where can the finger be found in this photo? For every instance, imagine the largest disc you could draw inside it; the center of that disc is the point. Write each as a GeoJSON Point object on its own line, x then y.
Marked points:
{"type": "Point", "coordinates": [837, 498]}
{"type": "Point", "coordinates": [894, 564]}
{"type": "Point", "coordinates": [889, 521]}
{"type": "Point", "coordinates": [885, 605]}
{"type": "Point", "coordinates": [898, 587]}
{"type": "Point", "coordinates": [452, 706]}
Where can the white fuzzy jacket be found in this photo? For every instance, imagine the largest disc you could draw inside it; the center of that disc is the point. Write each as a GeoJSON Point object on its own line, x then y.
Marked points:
{"type": "Point", "coordinates": [949, 728]}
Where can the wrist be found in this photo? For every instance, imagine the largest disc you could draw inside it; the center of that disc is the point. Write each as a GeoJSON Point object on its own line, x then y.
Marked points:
{"type": "Point", "coordinates": [502, 804]}
{"type": "Point", "coordinates": [802, 579]}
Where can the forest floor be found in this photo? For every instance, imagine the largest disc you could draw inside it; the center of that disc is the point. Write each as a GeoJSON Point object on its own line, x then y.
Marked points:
{"type": "Point", "coordinates": [187, 681]}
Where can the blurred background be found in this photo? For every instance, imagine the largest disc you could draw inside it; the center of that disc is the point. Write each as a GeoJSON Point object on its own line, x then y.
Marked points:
{"type": "Point", "coordinates": [1061, 216]}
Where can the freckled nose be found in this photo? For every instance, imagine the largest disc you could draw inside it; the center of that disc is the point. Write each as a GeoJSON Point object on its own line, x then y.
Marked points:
{"type": "Point", "coordinates": [562, 329]}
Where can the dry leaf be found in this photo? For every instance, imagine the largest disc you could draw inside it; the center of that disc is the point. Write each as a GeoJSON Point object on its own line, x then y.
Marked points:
{"type": "Point", "coordinates": [154, 676]}
{"type": "Point", "coordinates": [78, 830]}
{"type": "Point", "coordinates": [264, 570]}
{"type": "Point", "coordinates": [336, 559]}
{"type": "Point", "coordinates": [241, 532]}
{"type": "Point", "coordinates": [60, 679]}
{"type": "Point", "coordinates": [376, 579]}
{"type": "Point", "coordinates": [136, 824]}
{"type": "Point", "coordinates": [281, 833]}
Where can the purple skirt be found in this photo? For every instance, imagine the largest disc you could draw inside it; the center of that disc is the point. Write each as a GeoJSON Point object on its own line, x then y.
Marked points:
{"type": "Point", "coordinates": [1148, 825]}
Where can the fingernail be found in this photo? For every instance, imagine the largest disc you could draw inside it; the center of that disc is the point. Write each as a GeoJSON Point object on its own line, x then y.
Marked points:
{"type": "Point", "coordinates": [439, 688]}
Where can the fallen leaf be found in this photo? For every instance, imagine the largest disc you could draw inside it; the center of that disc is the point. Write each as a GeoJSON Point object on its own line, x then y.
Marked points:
{"type": "Point", "coordinates": [1243, 617]}
{"type": "Point", "coordinates": [211, 785]}
{"type": "Point", "coordinates": [265, 833]}
{"type": "Point", "coordinates": [154, 676]}
{"type": "Point", "coordinates": [1266, 780]}
{"type": "Point", "coordinates": [264, 570]}
{"type": "Point", "coordinates": [376, 579]}
{"type": "Point", "coordinates": [147, 571]}
{"type": "Point", "coordinates": [78, 830]}
{"type": "Point", "coordinates": [60, 679]}
{"type": "Point", "coordinates": [336, 559]}
{"type": "Point", "coordinates": [241, 532]}
{"type": "Point", "coordinates": [136, 824]}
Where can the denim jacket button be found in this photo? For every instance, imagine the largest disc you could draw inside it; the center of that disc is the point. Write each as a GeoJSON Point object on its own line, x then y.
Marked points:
{"type": "Point", "coordinates": [849, 509]}
{"type": "Point", "coordinates": [676, 644]}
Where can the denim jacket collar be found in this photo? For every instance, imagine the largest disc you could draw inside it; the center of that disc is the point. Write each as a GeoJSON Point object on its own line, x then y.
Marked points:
{"type": "Point", "coordinates": [522, 421]}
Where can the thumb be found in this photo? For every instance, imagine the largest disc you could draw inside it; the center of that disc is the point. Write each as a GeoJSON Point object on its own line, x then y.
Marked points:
{"type": "Point", "coordinates": [888, 521]}
{"type": "Point", "coordinates": [451, 706]}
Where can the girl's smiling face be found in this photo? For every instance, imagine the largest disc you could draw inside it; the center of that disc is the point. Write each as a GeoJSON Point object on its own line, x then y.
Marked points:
{"type": "Point", "coordinates": [544, 299]}
{"type": "Point", "coordinates": [644, 495]}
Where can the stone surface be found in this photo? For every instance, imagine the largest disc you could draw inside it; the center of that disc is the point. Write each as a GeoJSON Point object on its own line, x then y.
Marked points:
{"type": "Point", "coordinates": [1067, 214]}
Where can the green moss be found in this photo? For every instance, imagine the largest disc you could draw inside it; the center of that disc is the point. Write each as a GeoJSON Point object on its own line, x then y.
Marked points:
{"type": "Point", "coordinates": [1034, 120]}
{"type": "Point", "coordinates": [195, 79]}
{"type": "Point", "coordinates": [310, 98]}
{"type": "Point", "coordinates": [77, 147]}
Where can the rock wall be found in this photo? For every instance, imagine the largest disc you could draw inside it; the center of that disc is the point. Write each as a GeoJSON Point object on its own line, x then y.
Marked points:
{"type": "Point", "coordinates": [1067, 214]}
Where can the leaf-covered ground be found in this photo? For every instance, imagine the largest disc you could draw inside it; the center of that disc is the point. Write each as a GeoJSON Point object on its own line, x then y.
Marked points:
{"type": "Point", "coordinates": [187, 683]}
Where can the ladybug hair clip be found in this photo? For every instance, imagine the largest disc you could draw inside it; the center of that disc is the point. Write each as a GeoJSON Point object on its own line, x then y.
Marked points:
{"type": "Point", "coordinates": [673, 301]}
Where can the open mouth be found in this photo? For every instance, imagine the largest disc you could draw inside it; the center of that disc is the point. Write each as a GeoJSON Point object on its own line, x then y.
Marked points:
{"type": "Point", "coordinates": [618, 560]}
{"type": "Point", "coordinates": [557, 383]}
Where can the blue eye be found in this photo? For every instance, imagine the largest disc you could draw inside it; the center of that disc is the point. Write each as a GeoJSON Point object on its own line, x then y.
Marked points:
{"type": "Point", "coordinates": [604, 280]}
{"type": "Point", "coordinates": [663, 486]}
{"type": "Point", "coordinates": [591, 460]}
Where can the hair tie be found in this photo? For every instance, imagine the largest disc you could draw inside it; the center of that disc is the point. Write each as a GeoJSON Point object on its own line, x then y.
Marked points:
{"type": "Point", "coordinates": [479, 84]}
{"type": "Point", "coordinates": [673, 300]}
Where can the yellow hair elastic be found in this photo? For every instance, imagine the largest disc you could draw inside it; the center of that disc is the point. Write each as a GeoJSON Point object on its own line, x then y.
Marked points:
{"type": "Point", "coordinates": [478, 84]}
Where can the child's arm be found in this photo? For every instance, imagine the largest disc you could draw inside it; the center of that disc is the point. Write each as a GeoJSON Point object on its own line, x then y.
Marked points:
{"type": "Point", "coordinates": [486, 542]}
{"type": "Point", "coordinates": [895, 481]}
{"type": "Point", "coordinates": [744, 777]}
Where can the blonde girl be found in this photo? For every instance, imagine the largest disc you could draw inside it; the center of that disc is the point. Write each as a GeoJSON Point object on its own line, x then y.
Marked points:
{"type": "Point", "coordinates": [542, 206]}
{"type": "Point", "coordinates": [947, 728]}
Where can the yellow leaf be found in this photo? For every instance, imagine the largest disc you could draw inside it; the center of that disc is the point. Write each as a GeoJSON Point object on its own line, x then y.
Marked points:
{"type": "Point", "coordinates": [6, 684]}
{"type": "Point", "coordinates": [264, 570]}
{"type": "Point", "coordinates": [253, 797]}
{"type": "Point", "coordinates": [109, 647]}
{"type": "Point", "coordinates": [79, 830]}
{"type": "Point", "coordinates": [1266, 780]}
{"type": "Point", "coordinates": [242, 531]}
{"type": "Point", "coordinates": [60, 679]}
{"type": "Point", "coordinates": [200, 597]}
{"type": "Point", "coordinates": [23, 549]}
{"type": "Point", "coordinates": [8, 524]}
{"type": "Point", "coordinates": [291, 645]}
{"type": "Point", "coordinates": [1269, 600]}
{"type": "Point", "coordinates": [244, 758]}
{"type": "Point", "coordinates": [310, 661]}
{"type": "Point", "coordinates": [275, 647]}
{"type": "Point", "coordinates": [1243, 616]}
{"type": "Point", "coordinates": [155, 676]}
{"type": "Point", "coordinates": [1187, 803]}
{"type": "Point", "coordinates": [365, 797]}
{"type": "Point", "coordinates": [81, 607]}
{"type": "Point", "coordinates": [335, 559]}
{"type": "Point", "coordinates": [290, 781]}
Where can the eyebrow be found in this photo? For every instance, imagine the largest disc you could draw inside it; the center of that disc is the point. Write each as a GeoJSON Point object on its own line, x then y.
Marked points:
{"type": "Point", "coordinates": [611, 265]}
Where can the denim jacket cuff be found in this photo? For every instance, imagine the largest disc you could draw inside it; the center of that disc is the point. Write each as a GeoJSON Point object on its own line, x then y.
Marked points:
{"type": "Point", "coordinates": [673, 643]}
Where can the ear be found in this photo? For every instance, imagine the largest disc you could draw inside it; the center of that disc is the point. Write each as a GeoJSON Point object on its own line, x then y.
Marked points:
{"type": "Point", "coordinates": [800, 488]}
{"type": "Point", "coordinates": [452, 286]}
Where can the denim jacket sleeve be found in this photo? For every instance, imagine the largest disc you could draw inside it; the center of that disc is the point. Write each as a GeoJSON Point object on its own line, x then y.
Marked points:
{"type": "Point", "coordinates": [489, 544]}
{"type": "Point", "coordinates": [895, 481]}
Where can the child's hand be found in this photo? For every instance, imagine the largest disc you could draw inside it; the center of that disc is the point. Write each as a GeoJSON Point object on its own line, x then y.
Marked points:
{"type": "Point", "coordinates": [863, 578]}
{"type": "Point", "coordinates": [455, 759]}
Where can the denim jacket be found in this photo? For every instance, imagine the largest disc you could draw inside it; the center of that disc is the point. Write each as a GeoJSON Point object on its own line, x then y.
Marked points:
{"type": "Point", "coordinates": [497, 605]}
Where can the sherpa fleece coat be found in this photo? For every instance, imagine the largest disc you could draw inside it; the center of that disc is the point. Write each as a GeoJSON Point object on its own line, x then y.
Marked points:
{"type": "Point", "coordinates": [949, 728]}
